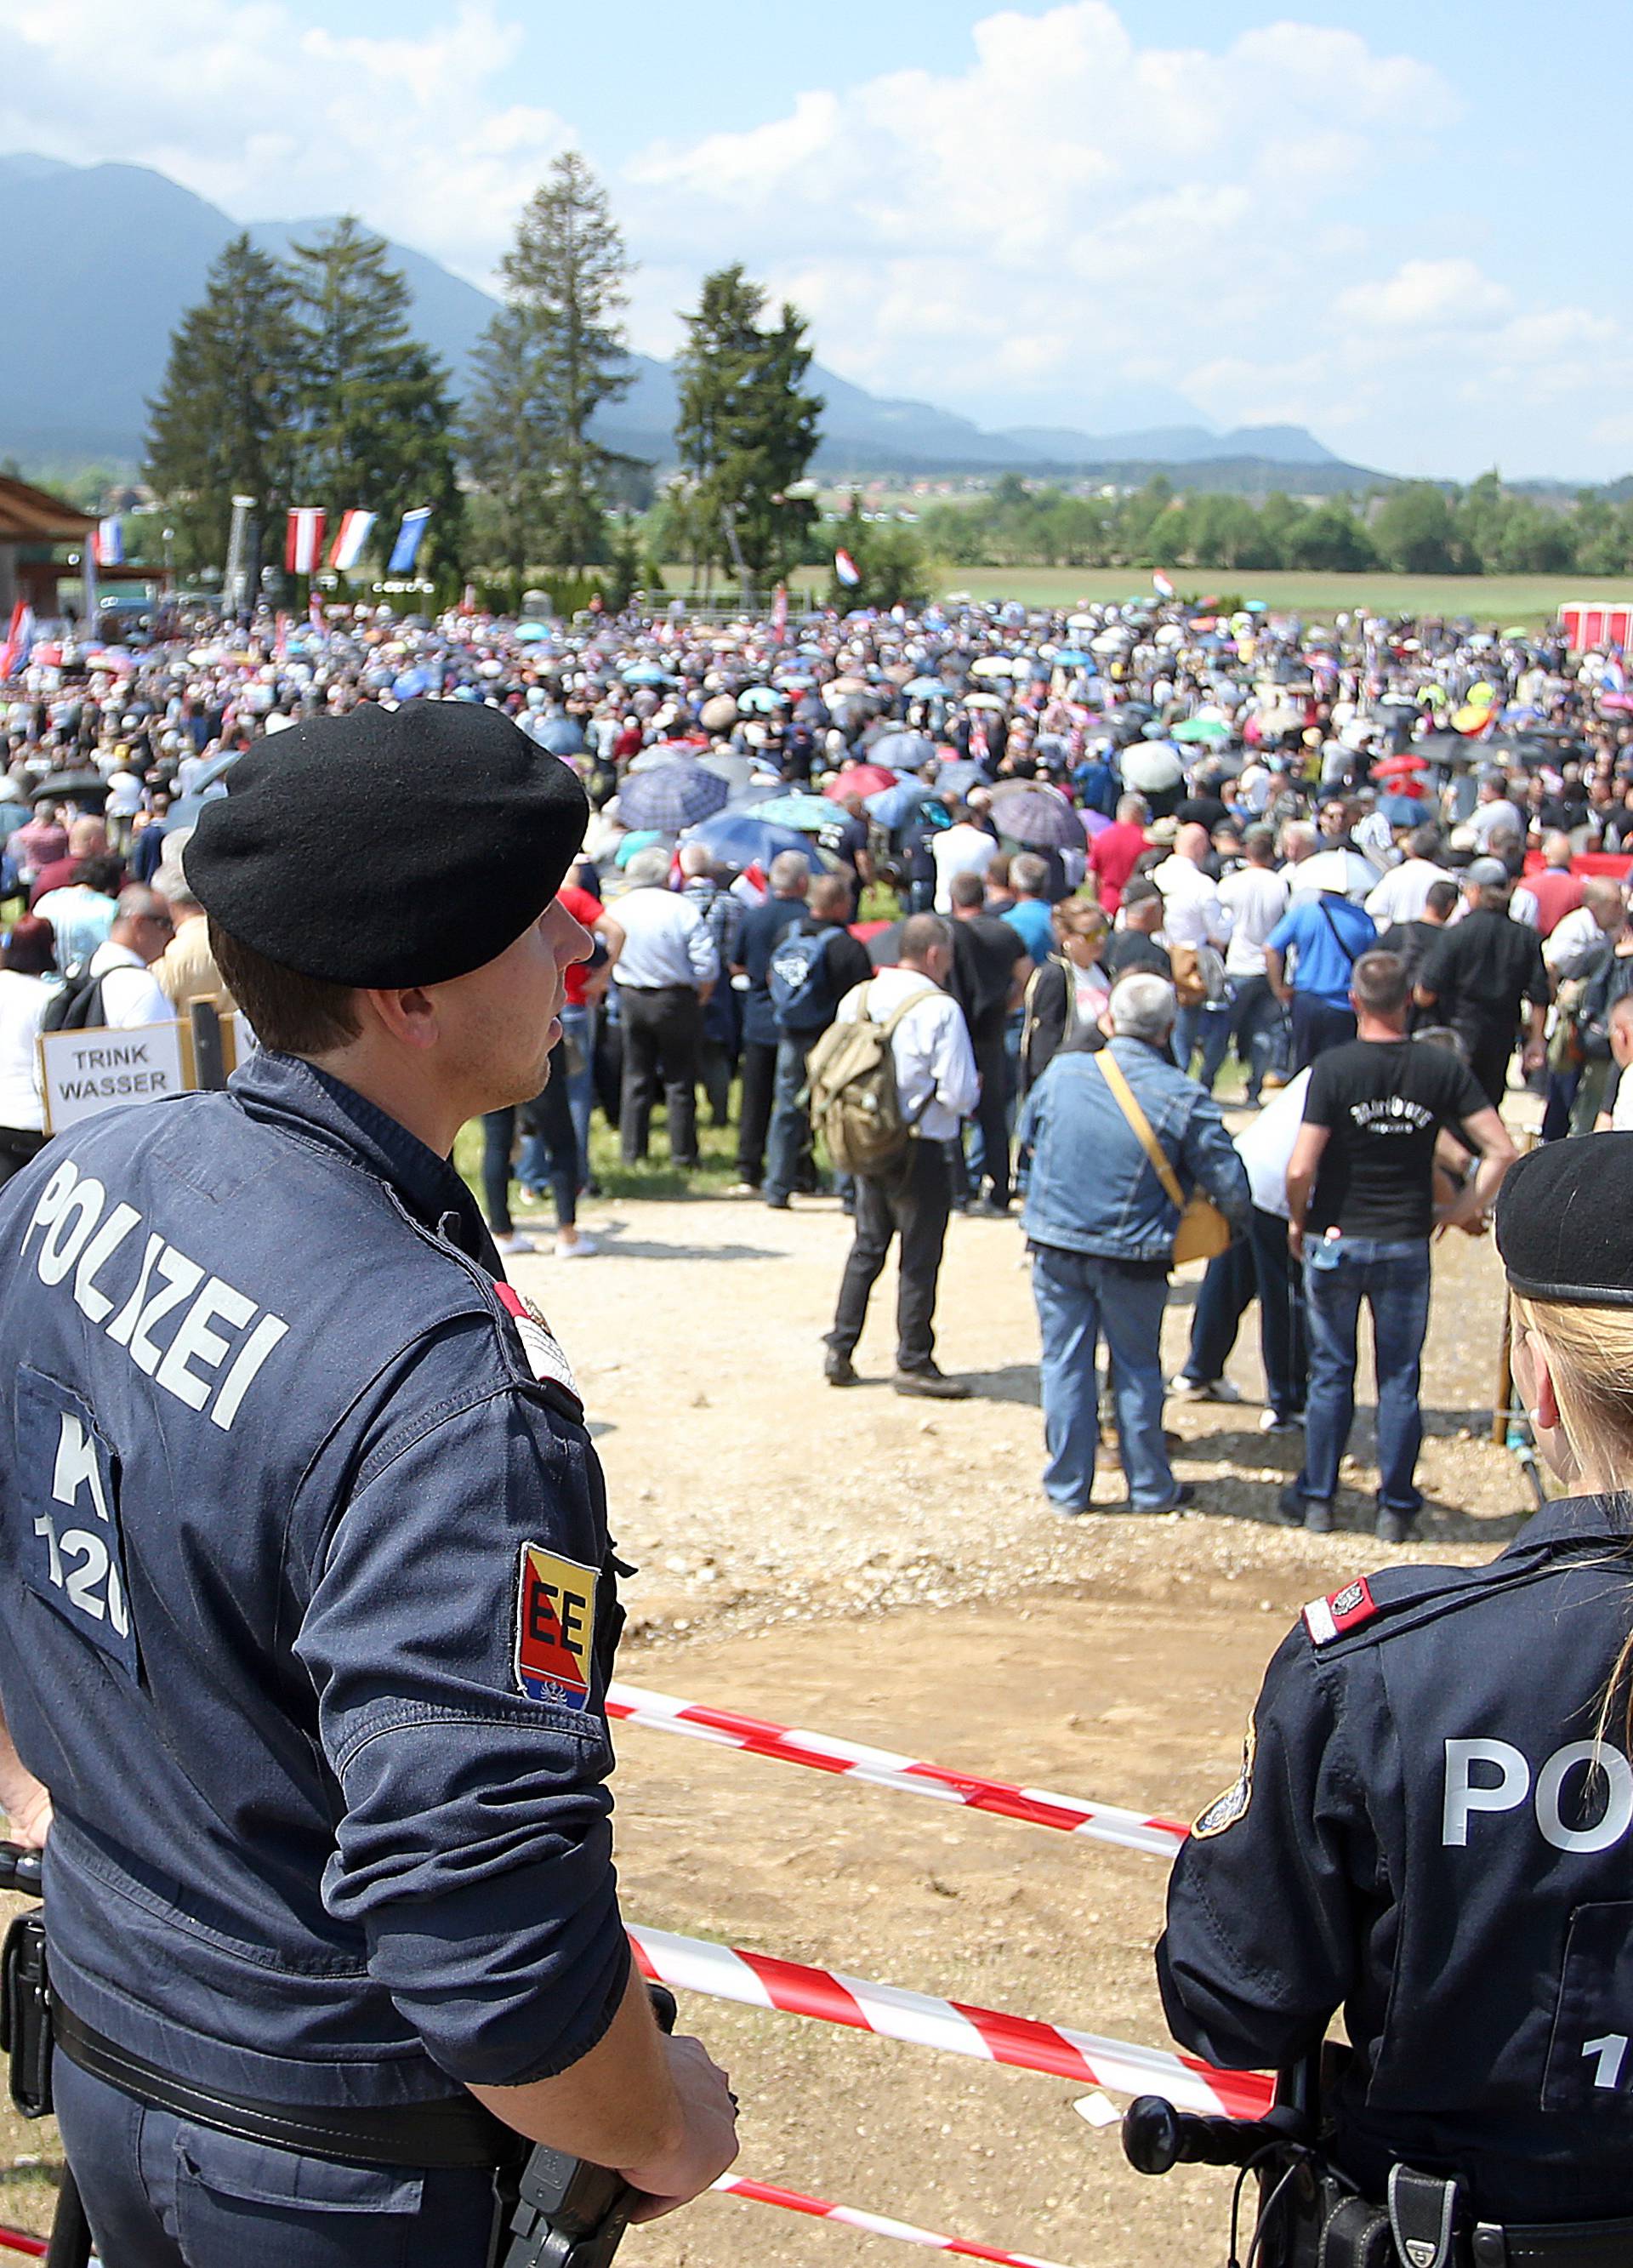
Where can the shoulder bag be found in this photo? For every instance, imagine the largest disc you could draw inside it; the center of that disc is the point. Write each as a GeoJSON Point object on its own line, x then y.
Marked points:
{"type": "Point", "coordinates": [1203, 1231]}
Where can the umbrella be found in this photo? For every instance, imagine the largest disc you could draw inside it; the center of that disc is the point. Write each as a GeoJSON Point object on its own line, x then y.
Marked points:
{"type": "Point", "coordinates": [1392, 767]}
{"type": "Point", "coordinates": [809, 814]}
{"type": "Point", "coordinates": [985, 701]}
{"type": "Point", "coordinates": [735, 771]}
{"type": "Point", "coordinates": [843, 686]}
{"type": "Point", "coordinates": [664, 752]}
{"type": "Point", "coordinates": [860, 779]}
{"type": "Point", "coordinates": [676, 796]}
{"type": "Point", "coordinates": [645, 673]}
{"type": "Point", "coordinates": [925, 688]}
{"type": "Point", "coordinates": [742, 838]}
{"type": "Point", "coordinates": [763, 697]}
{"type": "Point", "coordinates": [994, 665]}
{"type": "Point", "coordinates": [1037, 819]}
{"type": "Point", "coordinates": [1151, 766]}
{"type": "Point", "coordinates": [901, 752]}
{"type": "Point", "coordinates": [1202, 728]}
{"type": "Point", "coordinates": [75, 787]}
{"type": "Point", "coordinates": [1071, 657]}
{"type": "Point", "coordinates": [907, 801]}
{"type": "Point", "coordinates": [719, 715]}
{"type": "Point", "coordinates": [530, 633]}
{"type": "Point", "coordinates": [960, 776]}
{"type": "Point", "coordinates": [563, 736]}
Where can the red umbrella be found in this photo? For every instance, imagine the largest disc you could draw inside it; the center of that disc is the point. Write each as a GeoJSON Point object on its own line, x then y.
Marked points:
{"type": "Point", "coordinates": [861, 779]}
{"type": "Point", "coordinates": [1395, 767]}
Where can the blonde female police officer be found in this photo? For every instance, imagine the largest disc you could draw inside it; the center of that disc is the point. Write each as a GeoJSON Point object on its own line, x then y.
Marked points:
{"type": "Point", "coordinates": [1433, 1824]}
{"type": "Point", "coordinates": [306, 1601]}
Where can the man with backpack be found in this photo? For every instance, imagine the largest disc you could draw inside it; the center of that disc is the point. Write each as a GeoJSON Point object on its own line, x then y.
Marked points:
{"type": "Point", "coordinates": [812, 967]}
{"type": "Point", "coordinates": [117, 990]}
{"type": "Point", "coordinates": [889, 1111]}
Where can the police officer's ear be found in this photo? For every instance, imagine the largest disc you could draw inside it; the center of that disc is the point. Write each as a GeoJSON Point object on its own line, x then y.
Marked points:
{"type": "Point", "coordinates": [1534, 1376]}
{"type": "Point", "coordinates": [409, 1017]}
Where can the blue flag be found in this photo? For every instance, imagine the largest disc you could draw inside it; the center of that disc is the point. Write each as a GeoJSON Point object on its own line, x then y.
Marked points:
{"type": "Point", "coordinates": [406, 550]}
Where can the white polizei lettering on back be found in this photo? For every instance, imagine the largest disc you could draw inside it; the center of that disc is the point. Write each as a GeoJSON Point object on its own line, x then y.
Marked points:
{"type": "Point", "coordinates": [195, 1342]}
{"type": "Point", "coordinates": [76, 1462]}
{"type": "Point", "coordinates": [1613, 1821]}
{"type": "Point", "coordinates": [103, 1245]}
{"type": "Point", "coordinates": [181, 1277]}
{"type": "Point", "coordinates": [66, 1237]}
{"type": "Point", "coordinates": [240, 1379]}
{"type": "Point", "coordinates": [68, 1215]}
{"type": "Point", "coordinates": [1462, 1797]}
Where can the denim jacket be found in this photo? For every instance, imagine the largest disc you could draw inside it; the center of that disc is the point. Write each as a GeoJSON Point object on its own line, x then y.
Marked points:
{"type": "Point", "coordinates": [1092, 1189]}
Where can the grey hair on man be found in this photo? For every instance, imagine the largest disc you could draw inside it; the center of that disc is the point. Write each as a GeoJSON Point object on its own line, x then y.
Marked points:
{"type": "Point", "coordinates": [790, 875]}
{"type": "Point", "coordinates": [649, 869]}
{"type": "Point", "coordinates": [1143, 1006]}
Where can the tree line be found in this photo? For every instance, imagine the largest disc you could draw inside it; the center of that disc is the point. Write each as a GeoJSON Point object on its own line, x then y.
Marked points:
{"type": "Point", "coordinates": [1417, 528]}
{"type": "Point", "coordinates": [299, 381]}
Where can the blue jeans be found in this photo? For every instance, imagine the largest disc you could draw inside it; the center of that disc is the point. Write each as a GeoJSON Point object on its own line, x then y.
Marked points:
{"type": "Point", "coordinates": [1209, 1028]}
{"type": "Point", "coordinates": [1079, 1300]}
{"type": "Point", "coordinates": [1257, 1265]}
{"type": "Point", "coordinates": [788, 1145]}
{"type": "Point", "coordinates": [1394, 1280]}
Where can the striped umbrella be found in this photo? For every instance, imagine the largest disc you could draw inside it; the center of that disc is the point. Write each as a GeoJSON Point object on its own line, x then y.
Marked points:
{"type": "Point", "coordinates": [1040, 822]}
{"type": "Point", "coordinates": [676, 796]}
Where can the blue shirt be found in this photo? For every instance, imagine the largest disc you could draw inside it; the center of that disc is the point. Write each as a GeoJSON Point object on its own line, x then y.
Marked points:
{"type": "Point", "coordinates": [306, 1606]}
{"type": "Point", "coordinates": [1031, 918]}
{"type": "Point", "coordinates": [1328, 936]}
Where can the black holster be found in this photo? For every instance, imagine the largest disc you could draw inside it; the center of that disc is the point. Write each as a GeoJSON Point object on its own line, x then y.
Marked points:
{"type": "Point", "coordinates": [26, 2016]}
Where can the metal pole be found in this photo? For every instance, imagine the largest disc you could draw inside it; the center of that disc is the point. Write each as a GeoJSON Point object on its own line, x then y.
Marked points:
{"type": "Point", "coordinates": [209, 1064]}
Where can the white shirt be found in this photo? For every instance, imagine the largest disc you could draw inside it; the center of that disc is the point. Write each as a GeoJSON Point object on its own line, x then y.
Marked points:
{"type": "Point", "coordinates": [126, 794]}
{"type": "Point", "coordinates": [22, 1008]}
{"type": "Point", "coordinates": [1404, 892]}
{"type": "Point", "coordinates": [131, 996]}
{"type": "Point", "coordinates": [1192, 913]}
{"type": "Point", "coordinates": [1266, 1148]}
{"type": "Point", "coordinates": [1489, 819]}
{"type": "Point", "coordinates": [1573, 933]}
{"type": "Point", "coordinates": [929, 1048]}
{"type": "Point", "coordinates": [1621, 1113]}
{"type": "Point", "coordinates": [1255, 899]}
{"type": "Point", "coordinates": [961, 850]}
{"type": "Point", "coordinates": [666, 941]}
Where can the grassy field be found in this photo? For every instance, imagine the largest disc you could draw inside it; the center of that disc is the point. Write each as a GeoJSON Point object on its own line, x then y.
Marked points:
{"type": "Point", "coordinates": [1490, 601]}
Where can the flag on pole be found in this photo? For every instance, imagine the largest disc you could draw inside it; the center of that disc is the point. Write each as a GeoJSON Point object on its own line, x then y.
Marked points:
{"type": "Point", "coordinates": [845, 567]}
{"type": "Point", "coordinates": [108, 543]}
{"type": "Point", "coordinates": [779, 612]}
{"type": "Point", "coordinates": [18, 638]}
{"type": "Point", "coordinates": [303, 547]}
{"type": "Point", "coordinates": [355, 527]}
{"type": "Point", "coordinates": [1614, 676]}
{"type": "Point", "coordinates": [1164, 587]}
{"type": "Point", "coordinates": [406, 549]}
{"type": "Point", "coordinates": [314, 608]}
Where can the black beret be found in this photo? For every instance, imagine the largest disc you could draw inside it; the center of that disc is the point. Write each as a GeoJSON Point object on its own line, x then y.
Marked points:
{"type": "Point", "coordinates": [1564, 1222]}
{"type": "Point", "coordinates": [388, 847]}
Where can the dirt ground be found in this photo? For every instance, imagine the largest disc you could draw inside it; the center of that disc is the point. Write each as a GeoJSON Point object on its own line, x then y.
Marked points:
{"type": "Point", "coordinates": [887, 1569]}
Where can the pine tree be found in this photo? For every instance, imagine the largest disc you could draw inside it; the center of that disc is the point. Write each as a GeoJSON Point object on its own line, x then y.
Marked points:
{"type": "Point", "coordinates": [554, 358]}
{"type": "Point", "coordinates": [376, 414]}
{"type": "Point", "coordinates": [746, 429]}
{"type": "Point", "coordinates": [222, 422]}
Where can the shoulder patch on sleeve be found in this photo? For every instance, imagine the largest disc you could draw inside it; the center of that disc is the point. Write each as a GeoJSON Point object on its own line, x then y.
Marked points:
{"type": "Point", "coordinates": [1226, 1809]}
{"type": "Point", "coordinates": [1328, 1618]}
{"type": "Point", "coordinates": [554, 1628]}
{"type": "Point", "coordinates": [539, 1344]}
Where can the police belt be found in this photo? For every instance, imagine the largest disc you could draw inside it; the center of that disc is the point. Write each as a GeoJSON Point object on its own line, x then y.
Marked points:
{"type": "Point", "coordinates": [457, 2132]}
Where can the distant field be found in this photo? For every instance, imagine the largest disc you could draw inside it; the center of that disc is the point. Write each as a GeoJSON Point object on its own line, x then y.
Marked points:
{"type": "Point", "coordinates": [1489, 599]}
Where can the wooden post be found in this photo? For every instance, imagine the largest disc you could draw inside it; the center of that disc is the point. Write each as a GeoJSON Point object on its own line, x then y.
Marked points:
{"type": "Point", "coordinates": [209, 1069]}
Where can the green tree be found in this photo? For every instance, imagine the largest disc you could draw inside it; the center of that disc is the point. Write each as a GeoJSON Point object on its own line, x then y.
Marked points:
{"type": "Point", "coordinates": [552, 359]}
{"type": "Point", "coordinates": [1415, 531]}
{"type": "Point", "coordinates": [223, 421]}
{"type": "Point", "coordinates": [889, 559]}
{"type": "Point", "coordinates": [747, 430]}
{"type": "Point", "coordinates": [377, 419]}
{"type": "Point", "coordinates": [505, 438]}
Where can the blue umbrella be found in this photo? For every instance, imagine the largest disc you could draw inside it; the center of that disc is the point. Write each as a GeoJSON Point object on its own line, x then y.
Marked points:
{"type": "Point", "coordinates": [675, 796]}
{"type": "Point", "coordinates": [742, 838]}
{"type": "Point", "coordinates": [563, 736]}
{"type": "Point", "coordinates": [530, 633]}
{"type": "Point", "coordinates": [1071, 657]}
{"type": "Point", "coordinates": [645, 673]}
{"type": "Point", "coordinates": [903, 752]}
{"type": "Point", "coordinates": [962, 775]}
{"type": "Point", "coordinates": [808, 814]}
{"type": "Point", "coordinates": [894, 807]}
{"type": "Point", "coordinates": [925, 688]}
{"type": "Point", "coordinates": [762, 697]}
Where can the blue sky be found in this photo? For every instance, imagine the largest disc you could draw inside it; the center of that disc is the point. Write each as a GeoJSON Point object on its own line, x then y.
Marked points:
{"type": "Point", "coordinates": [1396, 224]}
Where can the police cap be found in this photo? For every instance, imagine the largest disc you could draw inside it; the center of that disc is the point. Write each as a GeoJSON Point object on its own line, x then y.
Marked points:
{"type": "Point", "coordinates": [388, 847]}
{"type": "Point", "coordinates": [1564, 1222]}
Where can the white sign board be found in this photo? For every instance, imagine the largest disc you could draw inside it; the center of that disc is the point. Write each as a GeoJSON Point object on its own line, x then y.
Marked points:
{"type": "Point", "coordinates": [85, 1071]}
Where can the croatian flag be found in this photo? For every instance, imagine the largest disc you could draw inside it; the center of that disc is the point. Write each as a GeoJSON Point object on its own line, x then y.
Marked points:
{"type": "Point", "coordinates": [355, 527]}
{"type": "Point", "coordinates": [406, 549]}
{"type": "Point", "coordinates": [303, 547]}
{"type": "Point", "coordinates": [845, 567]}
{"type": "Point", "coordinates": [18, 638]}
{"type": "Point", "coordinates": [108, 543]}
{"type": "Point", "coordinates": [1614, 677]}
{"type": "Point", "coordinates": [1163, 586]}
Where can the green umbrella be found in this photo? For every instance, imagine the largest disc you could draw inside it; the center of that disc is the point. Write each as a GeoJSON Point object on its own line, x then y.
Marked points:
{"type": "Point", "coordinates": [1201, 728]}
{"type": "Point", "coordinates": [810, 814]}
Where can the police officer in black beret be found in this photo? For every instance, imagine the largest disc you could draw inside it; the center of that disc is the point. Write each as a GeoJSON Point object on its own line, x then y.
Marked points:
{"type": "Point", "coordinates": [1433, 1828]}
{"type": "Point", "coordinates": [307, 1604]}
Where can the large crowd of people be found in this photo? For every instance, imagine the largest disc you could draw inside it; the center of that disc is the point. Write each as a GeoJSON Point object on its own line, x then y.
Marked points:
{"type": "Point", "coordinates": [1014, 815]}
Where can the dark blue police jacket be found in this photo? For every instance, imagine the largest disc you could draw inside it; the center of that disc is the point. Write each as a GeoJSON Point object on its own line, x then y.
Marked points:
{"type": "Point", "coordinates": [1424, 1833]}
{"type": "Point", "coordinates": [302, 1569]}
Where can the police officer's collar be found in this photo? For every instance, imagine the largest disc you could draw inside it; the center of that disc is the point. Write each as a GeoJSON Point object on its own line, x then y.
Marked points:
{"type": "Point", "coordinates": [323, 1109]}
{"type": "Point", "coordinates": [1578, 1520]}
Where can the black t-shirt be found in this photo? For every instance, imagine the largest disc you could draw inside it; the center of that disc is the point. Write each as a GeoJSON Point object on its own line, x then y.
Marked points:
{"type": "Point", "coordinates": [1481, 968]}
{"type": "Point", "coordinates": [1132, 948]}
{"type": "Point", "coordinates": [985, 950]}
{"type": "Point", "coordinates": [1383, 1102]}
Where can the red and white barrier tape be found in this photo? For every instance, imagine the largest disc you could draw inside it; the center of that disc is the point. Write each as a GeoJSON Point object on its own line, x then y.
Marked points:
{"type": "Point", "coordinates": [18, 2240]}
{"type": "Point", "coordinates": [1105, 1822]}
{"type": "Point", "coordinates": [876, 2224]}
{"type": "Point", "coordinates": [760, 1981]}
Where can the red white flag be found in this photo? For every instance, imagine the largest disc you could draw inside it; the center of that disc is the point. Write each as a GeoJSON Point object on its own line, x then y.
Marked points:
{"type": "Point", "coordinates": [1164, 587]}
{"type": "Point", "coordinates": [355, 527]}
{"type": "Point", "coordinates": [303, 546]}
{"type": "Point", "coordinates": [845, 567]}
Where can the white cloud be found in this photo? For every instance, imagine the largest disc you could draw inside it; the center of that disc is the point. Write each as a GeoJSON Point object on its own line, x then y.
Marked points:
{"type": "Point", "coordinates": [1426, 295]}
{"type": "Point", "coordinates": [274, 120]}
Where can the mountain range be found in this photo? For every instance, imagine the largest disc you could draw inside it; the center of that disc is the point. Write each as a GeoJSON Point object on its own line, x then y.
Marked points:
{"type": "Point", "coordinates": [102, 260]}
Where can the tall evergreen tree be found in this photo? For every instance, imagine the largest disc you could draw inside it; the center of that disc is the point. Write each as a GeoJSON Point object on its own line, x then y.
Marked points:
{"type": "Point", "coordinates": [376, 416]}
{"type": "Point", "coordinates": [222, 422]}
{"type": "Point", "coordinates": [551, 359]}
{"type": "Point", "coordinates": [746, 429]}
